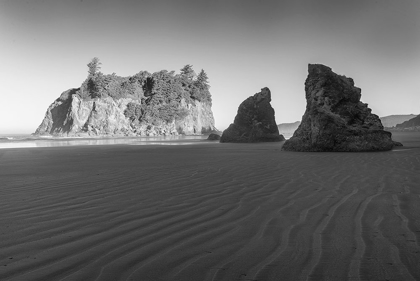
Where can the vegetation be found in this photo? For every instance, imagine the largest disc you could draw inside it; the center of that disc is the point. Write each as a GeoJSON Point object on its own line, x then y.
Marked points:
{"type": "Point", "coordinates": [157, 97]}
{"type": "Point", "coordinates": [188, 72]}
{"type": "Point", "coordinates": [94, 65]}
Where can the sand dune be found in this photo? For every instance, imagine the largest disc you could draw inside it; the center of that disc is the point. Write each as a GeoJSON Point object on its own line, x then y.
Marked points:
{"type": "Point", "coordinates": [209, 212]}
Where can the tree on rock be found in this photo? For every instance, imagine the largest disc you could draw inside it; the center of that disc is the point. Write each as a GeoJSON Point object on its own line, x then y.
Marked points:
{"type": "Point", "coordinates": [94, 66]}
{"type": "Point", "coordinates": [188, 72]}
{"type": "Point", "coordinates": [202, 80]}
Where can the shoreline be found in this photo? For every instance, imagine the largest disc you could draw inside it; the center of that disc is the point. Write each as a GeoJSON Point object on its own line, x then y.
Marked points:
{"type": "Point", "coordinates": [406, 137]}
{"type": "Point", "coordinates": [70, 141]}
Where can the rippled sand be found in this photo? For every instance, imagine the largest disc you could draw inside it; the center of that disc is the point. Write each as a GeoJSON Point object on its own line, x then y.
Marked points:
{"type": "Point", "coordinates": [209, 212]}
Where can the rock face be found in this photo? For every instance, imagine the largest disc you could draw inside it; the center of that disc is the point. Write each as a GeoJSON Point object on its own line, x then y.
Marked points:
{"type": "Point", "coordinates": [70, 115]}
{"type": "Point", "coordinates": [335, 119]}
{"type": "Point", "coordinates": [254, 122]}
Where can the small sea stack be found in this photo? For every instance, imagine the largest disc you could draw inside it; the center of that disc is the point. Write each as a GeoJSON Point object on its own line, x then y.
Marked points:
{"type": "Point", "coordinates": [213, 137]}
{"type": "Point", "coordinates": [254, 122]}
{"type": "Point", "coordinates": [335, 119]}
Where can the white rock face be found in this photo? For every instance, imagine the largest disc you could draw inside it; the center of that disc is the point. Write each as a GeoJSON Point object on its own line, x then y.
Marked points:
{"type": "Point", "coordinates": [199, 120]}
{"type": "Point", "coordinates": [69, 115]}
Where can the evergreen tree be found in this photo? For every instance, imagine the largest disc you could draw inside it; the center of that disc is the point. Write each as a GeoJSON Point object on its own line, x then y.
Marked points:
{"type": "Point", "coordinates": [203, 80]}
{"type": "Point", "coordinates": [94, 66]}
{"type": "Point", "coordinates": [188, 72]}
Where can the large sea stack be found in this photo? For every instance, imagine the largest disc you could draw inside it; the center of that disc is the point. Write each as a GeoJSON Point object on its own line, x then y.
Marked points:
{"type": "Point", "coordinates": [335, 119]}
{"type": "Point", "coordinates": [255, 121]}
{"type": "Point", "coordinates": [162, 103]}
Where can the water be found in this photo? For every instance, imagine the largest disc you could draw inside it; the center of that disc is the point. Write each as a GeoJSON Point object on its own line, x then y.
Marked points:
{"type": "Point", "coordinates": [22, 141]}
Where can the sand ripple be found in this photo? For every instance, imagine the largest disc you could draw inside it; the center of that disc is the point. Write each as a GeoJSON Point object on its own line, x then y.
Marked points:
{"type": "Point", "coordinates": [208, 212]}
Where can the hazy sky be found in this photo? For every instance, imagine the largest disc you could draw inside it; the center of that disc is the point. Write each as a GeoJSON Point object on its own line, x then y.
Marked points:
{"type": "Point", "coordinates": [243, 45]}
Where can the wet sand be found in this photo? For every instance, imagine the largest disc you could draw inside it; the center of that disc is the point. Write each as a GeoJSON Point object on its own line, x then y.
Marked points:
{"type": "Point", "coordinates": [209, 212]}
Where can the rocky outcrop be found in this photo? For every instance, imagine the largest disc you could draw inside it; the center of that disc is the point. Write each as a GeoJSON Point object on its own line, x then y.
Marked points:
{"type": "Point", "coordinates": [254, 122]}
{"type": "Point", "coordinates": [335, 119]}
{"type": "Point", "coordinates": [70, 115]}
{"type": "Point", "coordinates": [144, 104]}
{"type": "Point", "coordinates": [213, 136]}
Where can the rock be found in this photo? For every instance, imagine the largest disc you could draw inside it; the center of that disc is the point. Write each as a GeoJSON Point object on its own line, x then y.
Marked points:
{"type": "Point", "coordinates": [69, 115]}
{"type": "Point", "coordinates": [397, 143]}
{"type": "Point", "coordinates": [158, 104]}
{"type": "Point", "coordinates": [213, 136]}
{"type": "Point", "coordinates": [254, 122]}
{"type": "Point", "coordinates": [335, 119]}
{"type": "Point", "coordinates": [199, 120]}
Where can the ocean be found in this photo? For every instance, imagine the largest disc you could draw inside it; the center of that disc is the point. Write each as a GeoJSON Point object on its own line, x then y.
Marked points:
{"type": "Point", "coordinates": [22, 141]}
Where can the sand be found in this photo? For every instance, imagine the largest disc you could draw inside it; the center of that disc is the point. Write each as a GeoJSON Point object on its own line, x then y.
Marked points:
{"type": "Point", "coordinates": [209, 212]}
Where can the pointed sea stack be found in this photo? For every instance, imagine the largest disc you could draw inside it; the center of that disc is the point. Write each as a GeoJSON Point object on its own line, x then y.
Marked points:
{"type": "Point", "coordinates": [254, 122]}
{"type": "Point", "coordinates": [335, 119]}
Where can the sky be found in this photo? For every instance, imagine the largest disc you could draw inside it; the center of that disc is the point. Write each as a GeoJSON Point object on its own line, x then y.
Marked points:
{"type": "Point", "coordinates": [242, 45]}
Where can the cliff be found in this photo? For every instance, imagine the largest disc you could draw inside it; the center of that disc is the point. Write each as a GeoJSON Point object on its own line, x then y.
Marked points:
{"type": "Point", "coordinates": [141, 105]}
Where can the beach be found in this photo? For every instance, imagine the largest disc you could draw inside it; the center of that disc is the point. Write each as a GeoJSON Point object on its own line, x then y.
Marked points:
{"type": "Point", "coordinates": [209, 211]}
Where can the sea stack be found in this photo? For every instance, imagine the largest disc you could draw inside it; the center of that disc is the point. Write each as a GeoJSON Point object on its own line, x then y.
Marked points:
{"type": "Point", "coordinates": [335, 119]}
{"type": "Point", "coordinates": [254, 122]}
{"type": "Point", "coordinates": [145, 104]}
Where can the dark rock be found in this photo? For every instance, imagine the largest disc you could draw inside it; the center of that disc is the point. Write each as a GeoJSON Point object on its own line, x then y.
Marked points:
{"type": "Point", "coordinates": [335, 119]}
{"type": "Point", "coordinates": [397, 143]}
{"type": "Point", "coordinates": [254, 122]}
{"type": "Point", "coordinates": [215, 131]}
{"type": "Point", "coordinates": [213, 136]}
